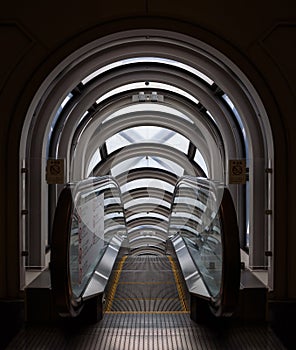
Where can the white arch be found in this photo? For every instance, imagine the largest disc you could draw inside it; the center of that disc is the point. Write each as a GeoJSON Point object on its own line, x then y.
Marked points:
{"type": "Point", "coordinates": [188, 50]}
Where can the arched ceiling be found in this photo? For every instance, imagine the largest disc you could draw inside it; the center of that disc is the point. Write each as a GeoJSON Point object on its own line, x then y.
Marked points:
{"type": "Point", "coordinates": [142, 121]}
{"type": "Point", "coordinates": [105, 90]}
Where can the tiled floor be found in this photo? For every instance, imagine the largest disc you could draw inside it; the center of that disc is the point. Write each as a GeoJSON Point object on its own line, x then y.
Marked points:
{"type": "Point", "coordinates": [143, 331]}
{"type": "Point", "coordinates": [146, 310]}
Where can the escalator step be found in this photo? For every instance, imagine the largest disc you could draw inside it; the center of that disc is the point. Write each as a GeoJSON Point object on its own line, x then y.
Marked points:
{"type": "Point", "coordinates": [146, 284]}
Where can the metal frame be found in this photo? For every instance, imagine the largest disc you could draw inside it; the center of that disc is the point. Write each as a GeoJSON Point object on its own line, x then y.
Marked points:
{"type": "Point", "coordinates": [192, 52]}
{"type": "Point", "coordinates": [225, 304]}
{"type": "Point", "coordinates": [66, 303]}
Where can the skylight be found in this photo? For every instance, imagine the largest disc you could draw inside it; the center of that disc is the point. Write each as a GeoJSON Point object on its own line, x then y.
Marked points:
{"type": "Point", "coordinates": [142, 85]}
{"type": "Point", "coordinates": [147, 161]}
{"type": "Point", "coordinates": [147, 134]}
{"type": "Point", "coordinates": [147, 182]}
{"type": "Point", "coordinates": [161, 60]}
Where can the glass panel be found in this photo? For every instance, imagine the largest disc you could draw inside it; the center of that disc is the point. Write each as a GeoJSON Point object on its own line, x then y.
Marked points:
{"type": "Point", "coordinates": [184, 229]}
{"type": "Point", "coordinates": [179, 142]}
{"type": "Point", "coordinates": [199, 159]}
{"type": "Point", "coordinates": [56, 117]}
{"type": "Point", "coordinates": [146, 200]}
{"type": "Point", "coordinates": [238, 118]}
{"type": "Point", "coordinates": [184, 217]}
{"type": "Point", "coordinates": [191, 203]}
{"type": "Point", "coordinates": [148, 134]}
{"type": "Point", "coordinates": [145, 215]}
{"type": "Point", "coordinates": [195, 216]}
{"type": "Point", "coordinates": [148, 59]}
{"type": "Point", "coordinates": [92, 216]}
{"type": "Point", "coordinates": [145, 236]}
{"type": "Point", "coordinates": [147, 228]}
{"type": "Point", "coordinates": [115, 142]}
{"type": "Point", "coordinates": [126, 165]}
{"type": "Point", "coordinates": [96, 158]}
{"type": "Point", "coordinates": [143, 162]}
{"type": "Point", "coordinates": [146, 183]}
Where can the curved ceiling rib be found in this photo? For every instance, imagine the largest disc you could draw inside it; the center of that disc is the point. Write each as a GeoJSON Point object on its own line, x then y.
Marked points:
{"type": "Point", "coordinates": [200, 138]}
{"type": "Point", "coordinates": [152, 192]}
{"type": "Point", "coordinates": [147, 173]}
{"type": "Point", "coordinates": [100, 81]}
{"type": "Point", "coordinates": [88, 98]}
{"type": "Point", "coordinates": [105, 120]}
{"type": "Point", "coordinates": [144, 150]}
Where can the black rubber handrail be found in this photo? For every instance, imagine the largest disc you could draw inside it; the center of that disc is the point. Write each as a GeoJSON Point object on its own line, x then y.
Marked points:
{"type": "Point", "coordinates": [65, 302]}
{"type": "Point", "coordinates": [226, 302]}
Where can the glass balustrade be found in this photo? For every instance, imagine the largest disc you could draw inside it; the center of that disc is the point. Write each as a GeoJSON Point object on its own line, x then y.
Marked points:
{"type": "Point", "coordinates": [204, 232]}
{"type": "Point", "coordinates": [97, 217]}
{"type": "Point", "coordinates": [89, 228]}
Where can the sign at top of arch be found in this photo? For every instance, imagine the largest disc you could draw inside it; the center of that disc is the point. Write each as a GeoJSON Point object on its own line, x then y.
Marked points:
{"type": "Point", "coordinates": [237, 171]}
{"type": "Point", "coordinates": [55, 171]}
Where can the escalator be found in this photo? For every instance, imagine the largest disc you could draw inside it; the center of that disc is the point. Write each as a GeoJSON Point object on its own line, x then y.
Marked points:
{"type": "Point", "coordinates": [88, 231]}
{"type": "Point", "coordinates": [146, 284]}
{"type": "Point", "coordinates": [93, 273]}
{"type": "Point", "coordinates": [204, 233]}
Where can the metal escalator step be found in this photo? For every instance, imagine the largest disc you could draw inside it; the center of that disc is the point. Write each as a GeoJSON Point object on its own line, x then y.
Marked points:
{"type": "Point", "coordinates": [145, 284]}
{"type": "Point", "coordinates": [149, 305]}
